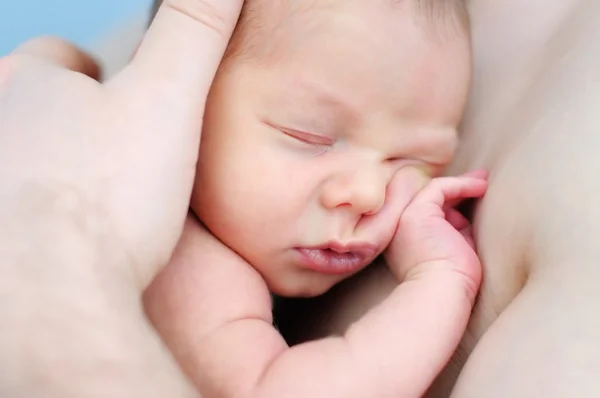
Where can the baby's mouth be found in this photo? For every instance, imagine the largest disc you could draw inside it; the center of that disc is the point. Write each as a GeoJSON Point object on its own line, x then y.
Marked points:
{"type": "Point", "coordinates": [337, 259]}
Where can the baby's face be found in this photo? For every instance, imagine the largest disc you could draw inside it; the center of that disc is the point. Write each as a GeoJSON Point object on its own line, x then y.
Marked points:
{"type": "Point", "coordinates": [298, 149]}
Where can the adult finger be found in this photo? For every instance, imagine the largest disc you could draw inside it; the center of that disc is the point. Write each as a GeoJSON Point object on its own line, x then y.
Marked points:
{"type": "Point", "coordinates": [61, 53]}
{"type": "Point", "coordinates": [180, 53]}
{"type": "Point", "coordinates": [402, 189]}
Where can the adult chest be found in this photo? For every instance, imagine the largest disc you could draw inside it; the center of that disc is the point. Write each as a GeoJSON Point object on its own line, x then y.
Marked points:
{"type": "Point", "coordinates": [533, 122]}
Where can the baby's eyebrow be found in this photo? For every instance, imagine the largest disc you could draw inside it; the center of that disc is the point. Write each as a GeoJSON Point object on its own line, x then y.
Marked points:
{"type": "Point", "coordinates": [327, 98]}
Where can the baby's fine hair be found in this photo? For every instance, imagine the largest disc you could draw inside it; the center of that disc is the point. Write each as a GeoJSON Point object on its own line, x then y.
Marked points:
{"type": "Point", "coordinates": [435, 9]}
{"type": "Point", "coordinates": [247, 32]}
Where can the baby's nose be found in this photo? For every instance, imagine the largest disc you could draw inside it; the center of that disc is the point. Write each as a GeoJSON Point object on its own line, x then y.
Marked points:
{"type": "Point", "coordinates": [361, 191]}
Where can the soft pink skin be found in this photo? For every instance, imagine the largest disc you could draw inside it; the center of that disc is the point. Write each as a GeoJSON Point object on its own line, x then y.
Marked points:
{"type": "Point", "coordinates": [303, 149]}
{"type": "Point", "coordinates": [326, 146]}
{"type": "Point", "coordinates": [533, 122]}
{"type": "Point", "coordinates": [212, 297]}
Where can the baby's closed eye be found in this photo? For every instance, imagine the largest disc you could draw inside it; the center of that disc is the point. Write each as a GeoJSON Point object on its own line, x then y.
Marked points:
{"type": "Point", "coordinates": [309, 138]}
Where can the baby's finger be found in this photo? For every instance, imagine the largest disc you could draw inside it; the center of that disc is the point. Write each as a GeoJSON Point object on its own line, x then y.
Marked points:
{"type": "Point", "coordinates": [478, 173]}
{"type": "Point", "coordinates": [182, 50]}
{"type": "Point", "coordinates": [400, 192]}
{"type": "Point", "coordinates": [457, 220]}
{"type": "Point", "coordinates": [461, 224]}
{"type": "Point", "coordinates": [445, 190]}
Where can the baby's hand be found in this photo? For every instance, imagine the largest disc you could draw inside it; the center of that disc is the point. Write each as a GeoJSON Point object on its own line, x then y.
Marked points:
{"type": "Point", "coordinates": [432, 236]}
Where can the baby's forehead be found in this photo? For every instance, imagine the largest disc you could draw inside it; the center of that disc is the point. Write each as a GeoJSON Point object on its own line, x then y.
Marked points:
{"type": "Point", "coordinates": [267, 27]}
{"type": "Point", "coordinates": [373, 52]}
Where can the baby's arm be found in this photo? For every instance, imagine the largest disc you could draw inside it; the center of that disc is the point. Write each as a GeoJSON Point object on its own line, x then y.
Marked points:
{"type": "Point", "coordinates": [215, 313]}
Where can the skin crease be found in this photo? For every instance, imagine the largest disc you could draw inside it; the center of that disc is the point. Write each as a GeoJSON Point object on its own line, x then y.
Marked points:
{"type": "Point", "coordinates": [362, 132]}
{"type": "Point", "coordinates": [532, 121]}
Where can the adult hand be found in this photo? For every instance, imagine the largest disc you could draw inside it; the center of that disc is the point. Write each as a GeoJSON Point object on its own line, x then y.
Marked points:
{"type": "Point", "coordinates": [95, 180]}
{"type": "Point", "coordinates": [122, 153]}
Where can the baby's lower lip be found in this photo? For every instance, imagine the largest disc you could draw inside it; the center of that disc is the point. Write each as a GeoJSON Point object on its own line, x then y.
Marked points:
{"type": "Point", "coordinates": [327, 261]}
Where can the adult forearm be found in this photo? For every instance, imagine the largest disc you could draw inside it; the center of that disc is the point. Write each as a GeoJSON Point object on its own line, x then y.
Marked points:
{"type": "Point", "coordinates": [69, 329]}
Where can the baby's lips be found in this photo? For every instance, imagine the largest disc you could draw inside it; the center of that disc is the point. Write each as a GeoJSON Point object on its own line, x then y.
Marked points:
{"type": "Point", "coordinates": [364, 250]}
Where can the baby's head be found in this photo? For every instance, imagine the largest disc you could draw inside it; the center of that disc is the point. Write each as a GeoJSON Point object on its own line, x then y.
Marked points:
{"type": "Point", "coordinates": [317, 105]}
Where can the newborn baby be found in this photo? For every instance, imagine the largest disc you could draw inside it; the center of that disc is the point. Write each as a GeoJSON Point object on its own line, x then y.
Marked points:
{"type": "Point", "coordinates": [316, 107]}
{"type": "Point", "coordinates": [324, 123]}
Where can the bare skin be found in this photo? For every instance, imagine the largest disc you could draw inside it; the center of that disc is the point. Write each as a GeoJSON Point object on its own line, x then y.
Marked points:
{"type": "Point", "coordinates": [533, 124]}
{"type": "Point", "coordinates": [351, 167]}
{"type": "Point", "coordinates": [533, 110]}
{"type": "Point", "coordinates": [214, 311]}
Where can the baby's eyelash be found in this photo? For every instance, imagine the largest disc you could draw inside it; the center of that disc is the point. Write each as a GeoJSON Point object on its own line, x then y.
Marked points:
{"type": "Point", "coordinates": [309, 138]}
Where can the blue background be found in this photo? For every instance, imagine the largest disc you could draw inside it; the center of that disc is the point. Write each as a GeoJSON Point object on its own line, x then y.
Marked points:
{"type": "Point", "coordinates": [80, 21]}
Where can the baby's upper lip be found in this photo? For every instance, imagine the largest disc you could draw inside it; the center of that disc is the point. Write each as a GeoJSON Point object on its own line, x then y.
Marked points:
{"type": "Point", "coordinates": [364, 250]}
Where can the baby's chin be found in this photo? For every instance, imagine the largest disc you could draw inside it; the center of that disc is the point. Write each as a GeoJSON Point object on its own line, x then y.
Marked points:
{"type": "Point", "coordinates": [306, 285]}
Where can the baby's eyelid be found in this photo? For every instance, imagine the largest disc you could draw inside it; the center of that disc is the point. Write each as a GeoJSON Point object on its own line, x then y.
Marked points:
{"type": "Point", "coordinates": [310, 138]}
